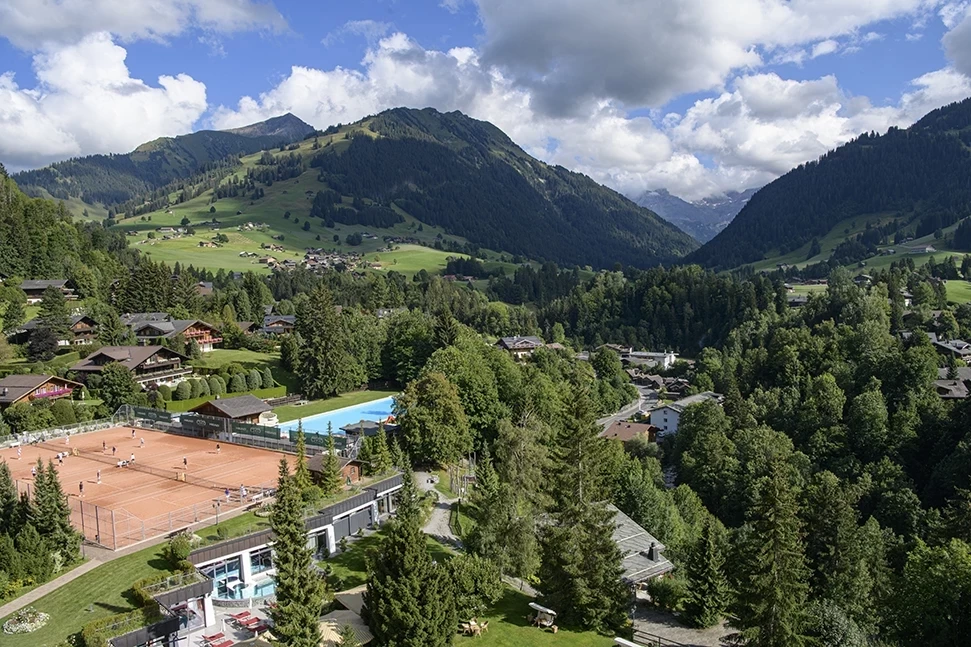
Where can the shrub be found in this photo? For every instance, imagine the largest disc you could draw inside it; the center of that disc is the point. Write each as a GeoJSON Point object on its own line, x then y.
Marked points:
{"type": "Point", "coordinates": [667, 592]}
{"type": "Point", "coordinates": [166, 392]}
{"type": "Point", "coordinates": [97, 632]}
{"type": "Point", "coordinates": [268, 381]}
{"type": "Point", "coordinates": [204, 387]}
{"type": "Point", "coordinates": [214, 387]}
{"type": "Point", "coordinates": [196, 389]}
{"type": "Point", "coordinates": [183, 391]}
{"type": "Point", "coordinates": [178, 549]}
{"type": "Point", "coordinates": [63, 412]}
{"type": "Point", "coordinates": [237, 384]}
{"type": "Point", "coordinates": [221, 532]}
{"type": "Point", "coordinates": [254, 380]}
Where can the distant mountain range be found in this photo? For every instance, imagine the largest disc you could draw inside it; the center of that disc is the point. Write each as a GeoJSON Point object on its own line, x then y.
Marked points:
{"type": "Point", "coordinates": [702, 219]}
{"type": "Point", "coordinates": [115, 179]}
{"type": "Point", "coordinates": [875, 190]}
{"type": "Point", "coordinates": [445, 169]}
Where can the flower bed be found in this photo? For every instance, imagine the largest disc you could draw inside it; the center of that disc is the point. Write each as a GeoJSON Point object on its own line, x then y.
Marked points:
{"type": "Point", "coordinates": [25, 621]}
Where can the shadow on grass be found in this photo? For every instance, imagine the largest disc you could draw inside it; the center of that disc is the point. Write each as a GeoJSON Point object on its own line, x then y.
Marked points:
{"type": "Point", "coordinates": [114, 608]}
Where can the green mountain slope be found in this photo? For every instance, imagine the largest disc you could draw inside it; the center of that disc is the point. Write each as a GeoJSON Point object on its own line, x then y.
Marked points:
{"type": "Point", "coordinates": [908, 183]}
{"type": "Point", "coordinates": [469, 178]}
{"type": "Point", "coordinates": [115, 179]}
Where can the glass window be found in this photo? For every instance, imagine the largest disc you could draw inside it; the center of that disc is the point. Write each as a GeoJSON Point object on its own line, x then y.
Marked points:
{"type": "Point", "coordinates": [261, 560]}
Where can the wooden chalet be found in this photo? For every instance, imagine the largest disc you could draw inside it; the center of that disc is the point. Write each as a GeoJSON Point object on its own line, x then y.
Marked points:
{"type": "Point", "coordinates": [243, 408]}
{"type": "Point", "coordinates": [34, 289]}
{"type": "Point", "coordinates": [147, 364]}
{"type": "Point", "coordinates": [27, 388]}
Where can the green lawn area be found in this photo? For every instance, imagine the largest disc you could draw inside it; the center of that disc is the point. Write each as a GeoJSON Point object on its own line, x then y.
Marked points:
{"type": "Point", "coordinates": [100, 592]}
{"type": "Point", "coordinates": [250, 359]}
{"type": "Point", "coordinates": [959, 291]}
{"type": "Point", "coordinates": [292, 412]}
{"type": "Point", "coordinates": [808, 289]}
{"type": "Point", "coordinates": [243, 524]}
{"type": "Point", "coordinates": [349, 569]}
{"type": "Point", "coordinates": [508, 628]}
{"type": "Point", "coordinates": [178, 406]}
{"type": "Point", "coordinates": [443, 484]}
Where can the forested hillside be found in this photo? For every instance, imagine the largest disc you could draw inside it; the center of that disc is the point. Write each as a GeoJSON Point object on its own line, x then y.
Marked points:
{"type": "Point", "coordinates": [470, 178]}
{"type": "Point", "coordinates": [114, 179]}
{"type": "Point", "coordinates": [919, 177]}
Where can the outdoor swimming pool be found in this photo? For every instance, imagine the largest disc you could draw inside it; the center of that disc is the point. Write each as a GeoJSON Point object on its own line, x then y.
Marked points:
{"type": "Point", "coordinates": [375, 410]}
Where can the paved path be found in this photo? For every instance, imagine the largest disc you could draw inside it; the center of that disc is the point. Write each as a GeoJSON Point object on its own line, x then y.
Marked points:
{"type": "Point", "coordinates": [646, 398]}
{"type": "Point", "coordinates": [29, 598]}
{"type": "Point", "coordinates": [666, 626]}
{"type": "Point", "coordinates": [437, 525]}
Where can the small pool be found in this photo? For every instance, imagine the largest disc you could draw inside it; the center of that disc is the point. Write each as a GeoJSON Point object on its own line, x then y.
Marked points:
{"type": "Point", "coordinates": [375, 410]}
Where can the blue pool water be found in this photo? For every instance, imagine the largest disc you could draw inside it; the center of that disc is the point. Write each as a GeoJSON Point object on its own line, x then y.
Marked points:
{"type": "Point", "coordinates": [376, 410]}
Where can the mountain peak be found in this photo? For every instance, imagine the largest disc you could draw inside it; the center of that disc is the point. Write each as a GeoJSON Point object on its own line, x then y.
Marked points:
{"type": "Point", "coordinates": [288, 126]}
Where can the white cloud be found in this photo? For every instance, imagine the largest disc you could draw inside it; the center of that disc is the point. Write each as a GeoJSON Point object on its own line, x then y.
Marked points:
{"type": "Point", "coordinates": [573, 53]}
{"type": "Point", "coordinates": [452, 6]}
{"type": "Point", "coordinates": [87, 102]}
{"type": "Point", "coordinates": [957, 43]}
{"type": "Point", "coordinates": [759, 129]}
{"type": "Point", "coordinates": [825, 47]}
{"type": "Point", "coordinates": [371, 30]}
{"type": "Point", "coordinates": [37, 24]}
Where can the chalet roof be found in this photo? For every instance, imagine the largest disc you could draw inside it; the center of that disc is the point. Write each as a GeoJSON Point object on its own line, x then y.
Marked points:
{"type": "Point", "coordinates": [951, 389]}
{"type": "Point", "coordinates": [520, 342]}
{"type": "Point", "coordinates": [133, 318]}
{"type": "Point", "coordinates": [269, 320]}
{"type": "Point", "coordinates": [698, 398]}
{"type": "Point", "coordinates": [128, 356]}
{"type": "Point", "coordinates": [35, 322]}
{"type": "Point", "coordinates": [316, 463]}
{"type": "Point", "coordinates": [42, 284]}
{"type": "Point", "coordinates": [963, 373]}
{"type": "Point", "coordinates": [243, 406]}
{"type": "Point", "coordinates": [370, 427]}
{"type": "Point", "coordinates": [640, 562]}
{"type": "Point", "coordinates": [15, 387]}
{"type": "Point", "coordinates": [624, 431]}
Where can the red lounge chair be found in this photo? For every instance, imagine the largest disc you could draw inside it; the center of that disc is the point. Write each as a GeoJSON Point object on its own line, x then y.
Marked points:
{"type": "Point", "coordinates": [225, 643]}
{"type": "Point", "coordinates": [260, 628]}
{"type": "Point", "coordinates": [214, 637]}
{"type": "Point", "coordinates": [240, 615]}
{"type": "Point", "coordinates": [250, 622]}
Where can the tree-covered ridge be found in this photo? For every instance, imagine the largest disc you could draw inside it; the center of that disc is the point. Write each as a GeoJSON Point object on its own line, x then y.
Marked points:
{"type": "Point", "coordinates": [38, 240]}
{"type": "Point", "coordinates": [470, 178]}
{"type": "Point", "coordinates": [114, 179]}
{"type": "Point", "coordinates": [921, 174]}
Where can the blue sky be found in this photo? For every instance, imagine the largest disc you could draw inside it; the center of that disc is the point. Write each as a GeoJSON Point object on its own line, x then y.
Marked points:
{"type": "Point", "coordinates": [697, 96]}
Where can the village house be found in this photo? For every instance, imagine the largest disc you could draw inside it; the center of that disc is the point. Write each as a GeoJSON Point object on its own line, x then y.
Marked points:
{"type": "Point", "coordinates": [667, 417]}
{"type": "Point", "coordinates": [951, 389]}
{"type": "Point", "coordinates": [204, 288]}
{"type": "Point", "coordinates": [153, 327]}
{"type": "Point", "coordinates": [520, 347]}
{"type": "Point", "coordinates": [82, 330]}
{"type": "Point", "coordinates": [242, 408]}
{"type": "Point", "coordinates": [921, 249]}
{"type": "Point", "coordinates": [640, 550]}
{"type": "Point", "coordinates": [626, 431]}
{"type": "Point", "coordinates": [34, 289]}
{"type": "Point", "coordinates": [279, 324]}
{"type": "Point", "coordinates": [27, 388]}
{"type": "Point", "coordinates": [147, 364]}
{"type": "Point", "coordinates": [352, 470]}
{"type": "Point", "coordinates": [956, 348]}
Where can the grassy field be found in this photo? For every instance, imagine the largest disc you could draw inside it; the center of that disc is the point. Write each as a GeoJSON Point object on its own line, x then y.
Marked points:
{"type": "Point", "coordinates": [808, 289]}
{"type": "Point", "coordinates": [508, 628]}
{"type": "Point", "coordinates": [100, 592]}
{"type": "Point", "coordinates": [349, 569]}
{"type": "Point", "coordinates": [292, 412]}
{"type": "Point", "coordinates": [250, 359]}
{"type": "Point", "coordinates": [959, 291]}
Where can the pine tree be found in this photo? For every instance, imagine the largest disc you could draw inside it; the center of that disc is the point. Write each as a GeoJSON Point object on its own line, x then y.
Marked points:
{"type": "Point", "coordinates": [581, 565]}
{"type": "Point", "coordinates": [410, 600]}
{"type": "Point", "coordinates": [54, 313]}
{"type": "Point", "coordinates": [53, 514]}
{"type": "Point", "coordinates": [301, 474]}
{"type": "Point", "coordinates": [299, 590]}
{"type": "Point", "coordinates": [707, 586]}
{"type": "Point", "coordinates": [8, 499]}
{"type": "Point", "coordinates": [14, 315]}
{"type": "Point", "coordinates": [381, 459]}
{"type": "Point", "coordinates": [331, 480]}
{"type": "Point", "coordinates": [769, 609]}
{"type": "Point", "coordinates": [347, 638]}
{"type": "Point", "coordinates": [324, 363]}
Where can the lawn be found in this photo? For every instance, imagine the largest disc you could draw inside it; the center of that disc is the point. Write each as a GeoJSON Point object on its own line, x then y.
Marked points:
{"type": "Point", "coordinates": [442, 484]}
{"type": "Point", "coordinates": [290, 412]}
{"type": "Point", "coordinates": [100, 592]}
{"type": "Point", "coordinates": [250, 359]}
{"type": "Point", "coordinates": [349, 569]}
{"type": "Point", "coordinates": [806, 290]}
{"type": "Point", "coordinates": [508, 628]}
{"type": "Point", "coordinates": [959, 291]}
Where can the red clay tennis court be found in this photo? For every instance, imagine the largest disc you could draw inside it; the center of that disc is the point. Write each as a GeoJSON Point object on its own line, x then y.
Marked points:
{"type": "Point", "coordinates": [175, 481]}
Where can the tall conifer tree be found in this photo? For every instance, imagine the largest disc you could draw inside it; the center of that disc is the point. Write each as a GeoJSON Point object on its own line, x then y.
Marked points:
{"type": "Point", "coordinates": [323, 359]}
{"type": "Point", "coordinates": [301, 473]}
{"type": "Point", "coordinates": [707, 586]}
{"type": "Point", "coordinates": [299, 590]}
{"type": "Point", "coordinates": [770, 606]}
{"type": "Point", "coordinates": [331, 480]}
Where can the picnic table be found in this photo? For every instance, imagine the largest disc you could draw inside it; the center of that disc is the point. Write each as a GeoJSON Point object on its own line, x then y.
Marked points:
{"type": "Point", "coordinates": [473, 627]}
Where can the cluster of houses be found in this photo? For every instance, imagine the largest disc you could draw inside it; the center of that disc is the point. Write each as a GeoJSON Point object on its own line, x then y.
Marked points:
{"type": "Point", "coordinates": [318, 259]}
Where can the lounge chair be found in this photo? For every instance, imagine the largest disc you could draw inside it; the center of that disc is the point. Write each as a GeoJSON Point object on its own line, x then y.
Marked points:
{"type": "Point", "coordinates": [225, 643]}
{"type": "Point", "coordinates": [214, 637]}
{"type": "Point", "coordinates": [240, 615]}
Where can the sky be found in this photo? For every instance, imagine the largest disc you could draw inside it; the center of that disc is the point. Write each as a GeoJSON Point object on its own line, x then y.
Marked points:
{"type": "Point", "coordinates": [695, 96]}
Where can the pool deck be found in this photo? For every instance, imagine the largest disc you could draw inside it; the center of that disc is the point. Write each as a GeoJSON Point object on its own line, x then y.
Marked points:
{"type": "Point", "coordinates": [375, 410]}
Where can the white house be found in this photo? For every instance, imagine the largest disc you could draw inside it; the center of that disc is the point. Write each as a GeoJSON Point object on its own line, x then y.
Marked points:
{"type": "Point", "coordinates": [667, 417]}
